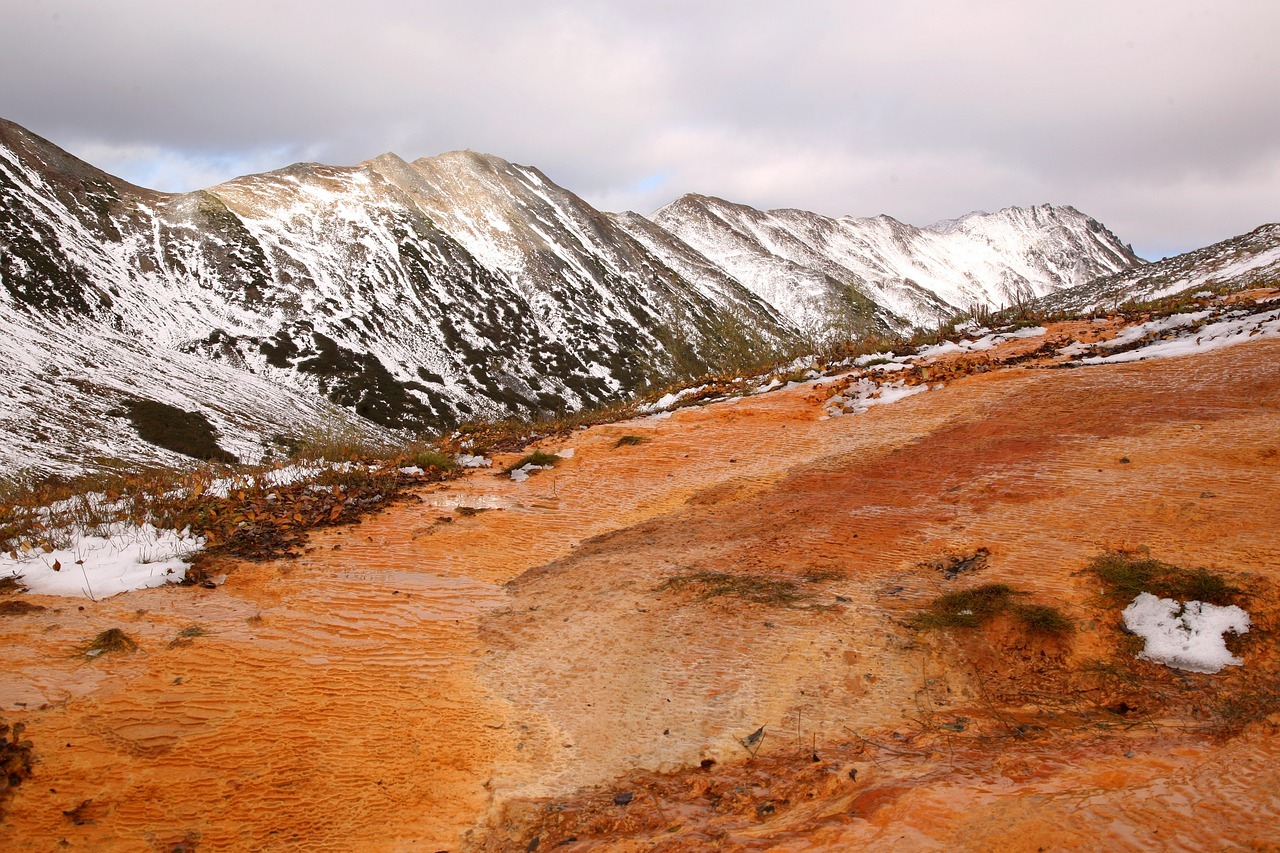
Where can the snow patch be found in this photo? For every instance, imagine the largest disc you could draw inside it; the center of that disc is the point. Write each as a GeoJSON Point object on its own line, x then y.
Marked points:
{"type": "Point", "coordinates": [466, 460]}
{"type": "Point", "coordinates": [865, 393]}
{"type": "Point", "coordinates": [519, 475]}
{"type": "Point", "coordinates": [1185, 635]}
{"type": "Point", "coordinates": [105, 562]}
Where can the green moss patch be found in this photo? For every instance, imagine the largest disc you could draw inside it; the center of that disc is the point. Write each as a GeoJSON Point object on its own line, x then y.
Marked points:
{"type": "Point", "coordinates": [1125, 575]}
{"type": "Point", "coordinates": [188, 433]}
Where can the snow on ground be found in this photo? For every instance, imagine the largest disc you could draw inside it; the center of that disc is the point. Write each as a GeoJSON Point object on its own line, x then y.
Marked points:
{"type": "Point", "coordinates": [105, 557]}
{"type": "Point", "coordinates": [666, 401]}
{"type": "Point", "coordinates": [986, 342]}
{"type": "Point", "coordinates": [519, 475]}
{"type": "Point", "coordinates": [109, 560]}
{"type": "Point", "coordinates": [865, 393]}
{"type": "Point", "coordinates": [286, 476]}
{"type": "Point", "coordinates": [466, 460]}
{"type": "Point", "coordinates": [1181, 334]}
{"type": "Point", "coordinates": [1185, 635]}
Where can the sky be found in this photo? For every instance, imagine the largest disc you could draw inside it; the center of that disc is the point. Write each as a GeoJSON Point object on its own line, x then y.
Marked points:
{"type": "Point", "coordinates": [1160, 119]}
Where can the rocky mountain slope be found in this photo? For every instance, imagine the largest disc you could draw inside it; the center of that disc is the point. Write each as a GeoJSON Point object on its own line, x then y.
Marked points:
{"type": "Point", "coordinates": [417, 295]}
{"type": "Point", "coordinates": [1248, 260]}
{"type": "Point", "coordinates": [335, 284]}
{"type": "Point", "coordinates": [817, 270]}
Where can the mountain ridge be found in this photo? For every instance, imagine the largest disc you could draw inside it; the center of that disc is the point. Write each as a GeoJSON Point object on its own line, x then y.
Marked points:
{"type": "Point", "coordinates": [420, 294]}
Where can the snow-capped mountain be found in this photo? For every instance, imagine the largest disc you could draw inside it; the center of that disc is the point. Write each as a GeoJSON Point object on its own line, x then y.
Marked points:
{"type": "Point", "coordinates": [815, 269]}
{"type": "Point", "coordinates": [396, 294]}
{"type": "Point", "coordinates": [339, 281]}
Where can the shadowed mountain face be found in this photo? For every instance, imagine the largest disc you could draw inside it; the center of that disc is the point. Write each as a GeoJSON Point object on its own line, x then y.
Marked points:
{"type": "Point", "coordinates": [417, 295]}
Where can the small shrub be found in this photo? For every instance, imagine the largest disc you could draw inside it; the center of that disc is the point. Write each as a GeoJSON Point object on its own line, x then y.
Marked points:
{"type": "Point", "coordinates": [630, 440]}
{"type": "Point", "coordinates": [110, 641]}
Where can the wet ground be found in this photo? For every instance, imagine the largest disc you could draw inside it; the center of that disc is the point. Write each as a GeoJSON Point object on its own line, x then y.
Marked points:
{"type": "Point", "coordinates": [625, 623]}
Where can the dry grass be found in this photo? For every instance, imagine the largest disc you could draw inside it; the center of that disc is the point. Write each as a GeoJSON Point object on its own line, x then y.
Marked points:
{"type": "Point", "coordinates": [753, 588]}
{"type": "Point", "coordinates": [250, 518]}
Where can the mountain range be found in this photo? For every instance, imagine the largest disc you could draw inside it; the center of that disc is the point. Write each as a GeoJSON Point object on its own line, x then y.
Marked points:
{"type": "Point", "coordinates": [397, 295]}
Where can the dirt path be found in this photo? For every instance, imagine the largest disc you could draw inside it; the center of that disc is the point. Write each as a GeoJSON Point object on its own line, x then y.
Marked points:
{"type": "Point", "coordinates": [413, 683]}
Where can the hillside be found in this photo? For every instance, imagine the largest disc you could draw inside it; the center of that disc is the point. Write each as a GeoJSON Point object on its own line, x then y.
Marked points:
{"type": "Point", "coordinates": [725, 624]}
{"type": "Point", "coordinates": [1248, 260]}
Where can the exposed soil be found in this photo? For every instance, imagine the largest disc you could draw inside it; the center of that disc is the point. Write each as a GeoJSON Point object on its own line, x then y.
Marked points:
{"type": "Point", "coordinates": [705, 640]}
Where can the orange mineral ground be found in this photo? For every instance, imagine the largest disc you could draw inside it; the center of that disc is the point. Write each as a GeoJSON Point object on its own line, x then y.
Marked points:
{"type": "Point", "coordinates": [707, 641]}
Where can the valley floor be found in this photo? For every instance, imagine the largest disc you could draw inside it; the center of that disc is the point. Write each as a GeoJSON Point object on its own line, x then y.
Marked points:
{"type": "Point", "coordinates": [585, 660]}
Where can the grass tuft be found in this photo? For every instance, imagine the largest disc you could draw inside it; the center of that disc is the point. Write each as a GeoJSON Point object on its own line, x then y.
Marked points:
{"type": "Point", "coordinates": [110, 641]}
{"type": "Point", "coordinates": [630, 441]}
{"type": "Point", "coordinates": [428, 459]}
{"type": "Point", "coordinates": [967, 608]}
{"type": "Point", "coordinates": [974, 607]}
{"type": "Point", "coordinates": [537, 457]}
{"type": "Point", "coordinates": [186, 635]}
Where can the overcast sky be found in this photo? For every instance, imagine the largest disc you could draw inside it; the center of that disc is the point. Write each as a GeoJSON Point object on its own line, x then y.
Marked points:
{"type": "Point", "coordinates": [1161, 119]}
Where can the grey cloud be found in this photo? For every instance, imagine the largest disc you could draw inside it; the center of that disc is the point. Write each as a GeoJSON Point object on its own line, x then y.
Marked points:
{"type": "Point", "coordinates": [1159, 119]}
